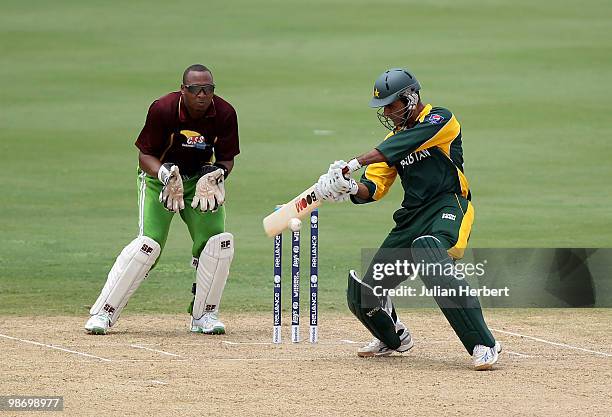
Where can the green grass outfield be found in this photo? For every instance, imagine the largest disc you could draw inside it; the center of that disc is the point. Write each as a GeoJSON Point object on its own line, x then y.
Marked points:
{"type": "Point", "coordinates": [529, 81]}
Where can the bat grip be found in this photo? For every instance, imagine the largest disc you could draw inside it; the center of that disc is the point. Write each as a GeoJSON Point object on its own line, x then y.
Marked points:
{"type": "Point", "coordinates": [352, 166]}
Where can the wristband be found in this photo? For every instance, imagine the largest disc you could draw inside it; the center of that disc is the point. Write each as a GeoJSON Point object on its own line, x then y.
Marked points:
{"type": "Point", "coordinates": [353, 165]}
{"type": "Point", "coordinates": [225, 170]}
{"type": "Point", "coordinates": [207, 169]}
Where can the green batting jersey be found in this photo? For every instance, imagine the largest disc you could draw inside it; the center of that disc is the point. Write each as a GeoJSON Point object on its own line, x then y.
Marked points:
{"type": "Point", "coordinates": [427, 157]}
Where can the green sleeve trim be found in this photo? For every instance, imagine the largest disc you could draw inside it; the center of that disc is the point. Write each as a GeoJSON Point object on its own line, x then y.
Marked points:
{"type": "Point", "coordinates": [371, 188]}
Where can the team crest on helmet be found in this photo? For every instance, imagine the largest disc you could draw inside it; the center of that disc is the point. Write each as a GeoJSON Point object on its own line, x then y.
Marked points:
{"type": "Point", "coordinates": [376, 93]}
{"type": "Point", "coordinates": [435, 119]}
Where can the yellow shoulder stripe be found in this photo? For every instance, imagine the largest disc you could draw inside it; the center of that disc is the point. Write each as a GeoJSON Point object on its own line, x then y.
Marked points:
{"type": "Point", "coordinates": [444, 136]}
{"type": "Point", "coordinates": [426, 110]}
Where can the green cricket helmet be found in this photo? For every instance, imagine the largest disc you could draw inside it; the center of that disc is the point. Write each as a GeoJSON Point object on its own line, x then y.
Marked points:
{"type": "Point", "coordinates": [393, 84]}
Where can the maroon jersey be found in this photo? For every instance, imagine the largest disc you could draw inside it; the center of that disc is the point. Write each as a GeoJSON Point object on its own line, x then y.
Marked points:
{"type": "Point", "coordinates": [171, 135]}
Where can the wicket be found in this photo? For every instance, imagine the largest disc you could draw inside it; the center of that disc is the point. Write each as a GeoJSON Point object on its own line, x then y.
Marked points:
{"type": "Point", "coordinates": [313, 301]}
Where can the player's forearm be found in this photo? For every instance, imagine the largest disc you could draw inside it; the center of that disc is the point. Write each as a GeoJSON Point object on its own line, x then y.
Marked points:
{"type": "Point", "coordinates": [363, 193]}
{"type": "Point", "coordinates": [371, 157]}
{"type": "Point", "coordinates": [149, 164]}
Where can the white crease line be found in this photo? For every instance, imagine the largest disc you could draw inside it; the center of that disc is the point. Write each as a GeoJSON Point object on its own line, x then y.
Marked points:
{"type": "Point", "coordinates": [155, 350]}
{"type": "Point", "coordinates": [155, 381]}
{"type": "Point", "coordinates": [302, 342]}
{"type": "Point", "coordinates": [55, 347]}
{"type": "Point", "coordinates": [516, 353]}
{"type": "Point", "coordinates": [351, 342]}
{"type": "Point", "coordinates": [419, 341]}
{"type": "Point", "coordinates": [261, 359]}
{"type": "Point", "coordinates": [553, 343]}
{"type": "Point", "coordinates": [150, 360]}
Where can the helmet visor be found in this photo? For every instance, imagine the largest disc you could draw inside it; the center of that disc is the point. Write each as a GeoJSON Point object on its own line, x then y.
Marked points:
{"type": "Point", "coordinates": [382, 102]}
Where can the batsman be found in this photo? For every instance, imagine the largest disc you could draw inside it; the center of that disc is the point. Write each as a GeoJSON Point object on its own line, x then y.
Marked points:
{"type": "Point", "coordinates": [186, 152]}
{"type": "Point", "coordinates": [432, 226]}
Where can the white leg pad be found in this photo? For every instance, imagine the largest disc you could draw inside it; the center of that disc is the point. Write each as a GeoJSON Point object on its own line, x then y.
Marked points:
{"type": "Point", "coordinates": [130, 269]}
{"type": "Point", "coordinates": [211, 274]}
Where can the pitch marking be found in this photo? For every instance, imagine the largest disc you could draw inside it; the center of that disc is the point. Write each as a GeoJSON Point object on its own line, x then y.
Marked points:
{"type": "Point", "coordinates": [553, 343]}
{"type": "Point", "coordinates": [149, 360]}
{"type": "Point", "coordinates": [516, 353]}
{"type": "Point", "coordinates": [260, 359]}
{"type": "Point", "coordinates": [155, 381]}
{"type": "Point", "coordinates": [56, 347]}
{"type": "Point", "coordinates": [350, 342]}
{"type": "Point", "coordinates": [155, 350]}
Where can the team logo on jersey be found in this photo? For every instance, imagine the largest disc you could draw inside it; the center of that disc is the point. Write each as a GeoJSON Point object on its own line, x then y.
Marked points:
{"type": "Point", "coordinates": [193, 138]}
{"type": "Point", "coordinates": [435, 119]}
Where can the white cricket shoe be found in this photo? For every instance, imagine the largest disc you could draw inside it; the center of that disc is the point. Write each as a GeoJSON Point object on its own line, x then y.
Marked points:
{"type": "Point", "coordinates": [378, 348]}
{"type": "Point", "coordinates": [98, 324]}
{"type": "Point", "coordinates": [484, 356]}
{"type": "Point", "coordinates": [208, 324]}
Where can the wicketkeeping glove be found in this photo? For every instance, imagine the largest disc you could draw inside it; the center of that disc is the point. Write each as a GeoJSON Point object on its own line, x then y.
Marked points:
{"type": "Point", "coordinates": [171, 195]}
{"type": "Point", "coordinates": [210, 189]}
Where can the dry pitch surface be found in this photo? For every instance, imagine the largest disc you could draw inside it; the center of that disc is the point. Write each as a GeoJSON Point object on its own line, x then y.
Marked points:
{"type": "Point", "coordinates": [151, 366]}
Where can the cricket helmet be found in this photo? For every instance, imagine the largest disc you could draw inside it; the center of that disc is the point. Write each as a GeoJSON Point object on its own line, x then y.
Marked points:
{"type": "Point", "coordinates": [393, 84]}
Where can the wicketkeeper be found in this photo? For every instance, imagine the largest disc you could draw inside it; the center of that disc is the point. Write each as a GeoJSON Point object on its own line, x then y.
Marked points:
{"type": "Point", "coordinates": [434, 221]}
{"type": "Point", "coordinates": [186, 151]}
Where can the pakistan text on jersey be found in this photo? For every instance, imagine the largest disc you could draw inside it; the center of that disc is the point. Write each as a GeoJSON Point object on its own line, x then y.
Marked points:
{"type": "Point", "coordinates": [415, 157]}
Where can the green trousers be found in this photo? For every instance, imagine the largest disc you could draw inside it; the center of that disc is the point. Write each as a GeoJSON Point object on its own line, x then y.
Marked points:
{"type": "Point", "coordinates": [448, 219]}
{"type": "Point", "coordinates": [154, 220]}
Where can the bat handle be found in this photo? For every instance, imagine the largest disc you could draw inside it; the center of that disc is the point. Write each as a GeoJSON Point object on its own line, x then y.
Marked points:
{"type": "Point", "coordinates": [352, 166]}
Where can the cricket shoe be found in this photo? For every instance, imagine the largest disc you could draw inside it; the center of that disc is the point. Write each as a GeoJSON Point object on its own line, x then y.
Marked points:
{"type": "Point", "coordinates": [98, 324]}
{"type": "Point", "coordinates": [378, 348]}
{"type": "Point", "coordinates": [485, 357]}
{"type": "Point", "coordinates": [208, 324]}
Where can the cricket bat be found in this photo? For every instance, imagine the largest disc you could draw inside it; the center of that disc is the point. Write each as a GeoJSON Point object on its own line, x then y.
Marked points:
{"type": "Point", "coordinates": [298, 207]}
